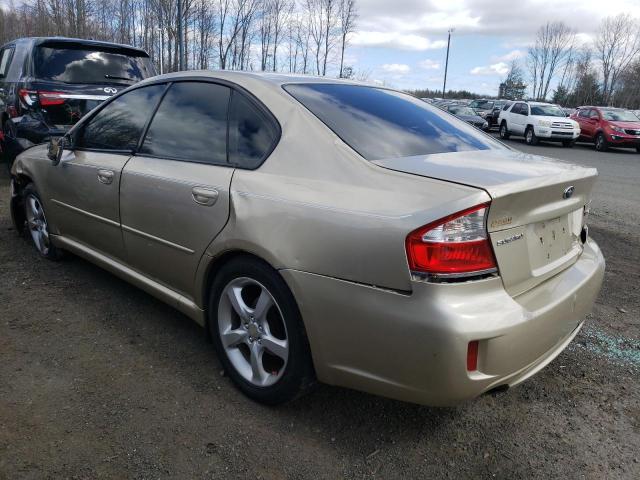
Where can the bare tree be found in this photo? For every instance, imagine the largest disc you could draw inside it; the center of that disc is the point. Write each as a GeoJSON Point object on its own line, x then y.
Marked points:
{"type": "Point", "coordinates": [348, 15]}
{"type": "Point", "coordinates": [554, 42]}
{"type": "Point", "coordinates": [617, 45]}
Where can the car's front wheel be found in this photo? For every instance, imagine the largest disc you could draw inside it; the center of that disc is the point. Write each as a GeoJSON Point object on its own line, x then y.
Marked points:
{"type": "Point", "coordinates": [504, 131]}
{"type": "Point", "coordinates": [36, 223]}
{"type": "Point", "coordinates": [258, 333]}
{"type": "Point", "coordinates": [530, 136]}
{"type": "Point", "coordinates": [601, 143]}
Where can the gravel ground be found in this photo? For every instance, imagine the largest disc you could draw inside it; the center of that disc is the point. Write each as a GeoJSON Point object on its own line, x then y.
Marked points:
{"type": "Point", "coordinates": [100, 380]}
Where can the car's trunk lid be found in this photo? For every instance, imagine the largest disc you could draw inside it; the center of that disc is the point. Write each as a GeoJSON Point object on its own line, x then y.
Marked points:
{"type": "Point", "coordinates": [536, 212]}
{"type": "Point", "coordinates": [63, 104]}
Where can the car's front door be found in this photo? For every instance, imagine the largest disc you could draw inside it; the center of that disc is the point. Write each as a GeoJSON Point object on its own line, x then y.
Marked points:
{"type": "Point", "coordinates": [84, 187]}
{"type": "Point", "coordinates": [174, 194]}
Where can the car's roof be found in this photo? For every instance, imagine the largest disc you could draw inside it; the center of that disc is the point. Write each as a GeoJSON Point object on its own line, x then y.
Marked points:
{"type": "Point", "coordinates": [266, 77]}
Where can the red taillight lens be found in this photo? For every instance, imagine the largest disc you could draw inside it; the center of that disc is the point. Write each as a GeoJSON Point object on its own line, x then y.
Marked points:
{"type": "Point", "coordinates": [50, 98]}
{"type": "Point", "coordinates": [29, 97]}
{"type": "Point", "coordinates": [472, 356]}
{"type": "Point", "coordinates": [456, 244]}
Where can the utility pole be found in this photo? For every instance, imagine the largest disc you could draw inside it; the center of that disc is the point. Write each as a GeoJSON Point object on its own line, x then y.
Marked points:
{"type": "Point", "coordinates": [180, 38]}
{"type": "Point", "coordinates": [446, 64]}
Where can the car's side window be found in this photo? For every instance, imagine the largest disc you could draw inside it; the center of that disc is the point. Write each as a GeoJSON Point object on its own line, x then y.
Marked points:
{"type": "Point", "coordinates": [5, 60]}
{"type": "Point", "coordinates": [516, 108]}
{"type": "Point", "coordinates": [584, 113]}
{"type": "Point", "coordinates": [119, 125]}
{"type": "Point", "coordinates": [190, 124]}
{"type": "Point", "coordinates": [251, 133]}
{"type": "Point", "coordinates": [524, 109]}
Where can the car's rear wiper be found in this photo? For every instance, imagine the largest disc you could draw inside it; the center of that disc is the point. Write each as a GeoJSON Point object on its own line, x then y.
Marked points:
{"type": "Point", "coordinates": [115, 77]}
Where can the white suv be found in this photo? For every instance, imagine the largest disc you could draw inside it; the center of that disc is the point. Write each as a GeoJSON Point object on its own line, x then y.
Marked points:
{"type": "Point", "coordinates": [538, 121]}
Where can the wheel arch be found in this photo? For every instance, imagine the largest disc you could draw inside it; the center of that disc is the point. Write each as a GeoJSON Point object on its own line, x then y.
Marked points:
{"type": "Point", "coordinates": [19, 182]}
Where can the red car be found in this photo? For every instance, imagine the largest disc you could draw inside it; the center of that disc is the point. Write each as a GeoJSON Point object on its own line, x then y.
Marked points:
{"type": "Point", "coordinates": [608, 127]}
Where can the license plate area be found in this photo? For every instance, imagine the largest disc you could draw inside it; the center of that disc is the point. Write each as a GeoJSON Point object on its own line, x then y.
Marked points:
{"type": "Point", "coordinates": [550, 241]}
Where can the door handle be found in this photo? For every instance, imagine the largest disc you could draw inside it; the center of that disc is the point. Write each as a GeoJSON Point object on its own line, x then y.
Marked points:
{"type": "Point", "coordinates": [204, 196]}
{"type": "Point", "coordinates": [105, 176]}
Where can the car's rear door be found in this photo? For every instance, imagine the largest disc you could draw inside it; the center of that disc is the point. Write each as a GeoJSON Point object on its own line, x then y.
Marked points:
{"type": "Point", "coordinates": [84, 186]}
{"type": "Point", "coordinates": [174, 194]}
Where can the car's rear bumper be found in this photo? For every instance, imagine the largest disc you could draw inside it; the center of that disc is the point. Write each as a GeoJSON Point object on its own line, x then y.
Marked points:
{"type": "Point", "coordinates": [413, 346]}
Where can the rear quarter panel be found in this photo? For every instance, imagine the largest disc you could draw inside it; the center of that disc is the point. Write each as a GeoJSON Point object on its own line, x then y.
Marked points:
{"type": "Point", "coordinates": [318, 207]}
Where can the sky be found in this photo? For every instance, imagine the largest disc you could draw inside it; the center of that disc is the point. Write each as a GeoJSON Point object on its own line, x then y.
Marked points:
{"type": "Point", "coordinates": [403, 42]}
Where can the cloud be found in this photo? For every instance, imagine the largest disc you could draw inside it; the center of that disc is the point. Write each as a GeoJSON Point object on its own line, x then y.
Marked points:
{"type": "Point", "coordinates": [429, 64]}
{"type": "Point", "coordinates": [499, 68]}
{"type": "Point", "coordinates": [511, 56]}
{"type": "Point", "coordinates": [368, 38]}
{"type": "Point", "coordinates": [399, 68]}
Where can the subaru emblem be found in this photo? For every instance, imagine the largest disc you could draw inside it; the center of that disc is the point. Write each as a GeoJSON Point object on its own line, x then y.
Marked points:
{"type": "Point", "coordinates": [110, 90]}
{"type": "Point", "coordinates": [568, 192]}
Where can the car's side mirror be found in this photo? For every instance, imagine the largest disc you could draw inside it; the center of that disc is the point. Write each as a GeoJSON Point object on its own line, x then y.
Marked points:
{"type": "Point", "coordinates": [56, 147]}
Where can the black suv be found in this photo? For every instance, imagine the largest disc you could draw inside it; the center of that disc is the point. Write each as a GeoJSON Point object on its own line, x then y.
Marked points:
{"type": "Point", "coordinates": [48, 84]}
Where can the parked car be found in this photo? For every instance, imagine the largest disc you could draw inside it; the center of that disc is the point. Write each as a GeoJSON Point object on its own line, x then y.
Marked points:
{"type": "Point", "coordinates": [468, 115]}
{"type": "Point", "coordinates": [492, 118]}
{"type": "Point", "coordinates": [608, 127]}
{"type": "Point", "coordinates": [324, 229]}
{"type": "Point", "coordinates": [482, 107]}
{"type": "Point", "coordinates": [48, 84]}
{"type": "Point", "coordinates": [538, 121]}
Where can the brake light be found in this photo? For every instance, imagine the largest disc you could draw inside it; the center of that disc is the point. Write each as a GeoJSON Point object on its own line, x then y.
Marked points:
{"type": "Point", "coordinates": [29, 97]}
{"type": "Point", "coordinates": [456, 245]}
{"type": "Point", "coordinates": [50, 98]}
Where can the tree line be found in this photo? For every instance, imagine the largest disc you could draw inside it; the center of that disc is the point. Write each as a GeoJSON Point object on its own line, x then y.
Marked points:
{"type": "Point", "coordinates": [299, 36]}
{"type": "Point", "coordinates": [602, 71]}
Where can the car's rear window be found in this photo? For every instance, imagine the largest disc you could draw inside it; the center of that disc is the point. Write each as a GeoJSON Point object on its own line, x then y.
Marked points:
{"type": "Point", "coordinates": [83, 64]}
{"type": "Point", "coordinates": [380, 123]}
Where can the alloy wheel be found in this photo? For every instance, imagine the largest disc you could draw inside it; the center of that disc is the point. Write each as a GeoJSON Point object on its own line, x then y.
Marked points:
{"type": "Point", "coordinates": [253, 332]}
{"type": "Point", "coordinates": [37, 224]}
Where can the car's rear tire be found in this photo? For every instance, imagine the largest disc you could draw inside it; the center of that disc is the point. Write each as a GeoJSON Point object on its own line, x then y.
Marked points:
{"type": "Point", "coordinates": [504, 131]}
{"type": "Point", "coordinates": [258, 333]}
{"type": "Point", "coordinates": [568, 143]}
{"type": "Point", "coordinates": [601, 143]}
{"type": "Point", "coordinates": [530, 136]}
{"type": "Point", "coordinates": [36, 223]}
{"type": "Point", "coordinates": [638, 149]}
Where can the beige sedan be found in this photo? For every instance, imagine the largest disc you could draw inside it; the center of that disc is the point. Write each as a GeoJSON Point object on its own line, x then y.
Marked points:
{"type": "Point", "coordinates": [324, 230]}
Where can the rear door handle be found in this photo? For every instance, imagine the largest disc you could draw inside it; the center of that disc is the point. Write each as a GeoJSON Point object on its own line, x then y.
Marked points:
{"type": "Point", "coordinates": [204, 196]}
{"type": "Point", "coordinates": [105, 176]}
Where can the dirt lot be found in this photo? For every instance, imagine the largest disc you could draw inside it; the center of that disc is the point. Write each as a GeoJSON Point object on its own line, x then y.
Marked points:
{"type": "Point", "coordinates": [99, 380]}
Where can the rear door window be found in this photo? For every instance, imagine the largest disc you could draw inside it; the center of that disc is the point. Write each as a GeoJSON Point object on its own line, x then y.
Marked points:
{"type": "Point", "coordinates": [190, 124]}
{"type": "Point", "coordinates": [119, 125]}
{"type": "Point", "coordinates": [69, 63]}
{"type": "Point", "coordinates": [380, 123]}
{"type": "Point", "coordinates": [5, 61]}
{"type": "Point", "coordinates": [252, 133]}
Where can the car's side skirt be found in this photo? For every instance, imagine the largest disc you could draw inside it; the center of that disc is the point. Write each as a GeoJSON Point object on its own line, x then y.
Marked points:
{"type": "Point", "coordinates": [161, 292]}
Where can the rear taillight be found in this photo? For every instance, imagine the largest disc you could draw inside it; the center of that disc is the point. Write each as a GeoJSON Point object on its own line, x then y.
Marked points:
{"type": "Point", "coordinates": [454, 246]}
{"type": "Point", "coordinates": [50, 98]}
{"type": "Point", "coordinates": [45, 99]}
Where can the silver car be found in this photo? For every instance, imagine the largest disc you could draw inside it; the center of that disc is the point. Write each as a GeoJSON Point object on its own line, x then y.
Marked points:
{"type": "Point", "coordinates": [324, 230]}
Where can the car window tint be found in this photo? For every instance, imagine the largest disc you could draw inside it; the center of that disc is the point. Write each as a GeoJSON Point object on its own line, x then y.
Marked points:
{"type": "Point", "coordinates": [251, 133]}
{"type": "Point", "coordinates": [119, 125]}
{"type": "Point", "coordinates": [71, 63]}
{"type": "Point", "coordinates": [380, 123]}
{"type": "Point", "coordinates": [190, 124]}
{"type": "Point", "coordinates": [516, 108]}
